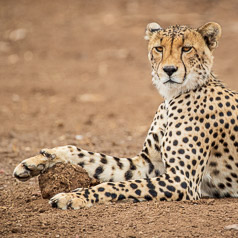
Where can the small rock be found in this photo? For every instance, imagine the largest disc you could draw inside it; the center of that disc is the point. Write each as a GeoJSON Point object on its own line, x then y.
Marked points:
{"type": "Point", "coordinates": [15, 230]}
{"type": "Point", "coordinates": [27, 148]}
{"type": "Point", "coordinates": [232, 227]}
{"type": "Point", "coordinates": [91, 98]}
{"type": "Point", "coordinates": [61, 138]}
{"type": "Point", "coordinates": [59, 123]}
{"type": "Point", "coordinates": [15, 98]}
{"type": "Point", "coordinates": [18, 34]}
{"type": "Point", "coordinates": [78, 137]}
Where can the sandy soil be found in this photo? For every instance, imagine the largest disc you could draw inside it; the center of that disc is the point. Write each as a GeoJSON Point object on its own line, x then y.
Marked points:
{"type": "Point", "coordinates": [76, 72]}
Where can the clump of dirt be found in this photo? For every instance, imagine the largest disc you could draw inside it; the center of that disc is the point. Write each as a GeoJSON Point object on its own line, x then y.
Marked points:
{"type": "Point", "coordinates": [64, 178]}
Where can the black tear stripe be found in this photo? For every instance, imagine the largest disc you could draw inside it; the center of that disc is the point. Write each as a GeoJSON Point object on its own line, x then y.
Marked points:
{"type": "Point", "coordinates": [159, 65]}
{"type": "Point", "coordinates": [185, 69]}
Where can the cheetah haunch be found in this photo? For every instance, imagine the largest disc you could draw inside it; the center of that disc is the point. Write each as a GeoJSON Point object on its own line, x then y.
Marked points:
{"type": "Point", "coordinates": [191, 147]}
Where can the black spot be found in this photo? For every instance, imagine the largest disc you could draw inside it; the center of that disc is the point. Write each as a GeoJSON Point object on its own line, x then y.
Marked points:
{"type": "Point", "coordinates": [218, 154]}
{"type": "Point", "coordinates": [81, 155]}
{"type": "Point", "coordinates": [181, 151]}
{"type": "Point", "coordinates": [215, 172]}
{"type": "Point", "coordinates": [103, 160]}
{"type": "Point", "coordinates": [171, 188]}
{"type": "Point", "coordinates": [113, 195]}
{"type": "Point", "coordinates": [228, 185]}
{"type": "Point", "coordinates": [149, 142]}
{"type": "Point", "coordinates": [178, 133]}
{"type": "Point", "coordinates": [227, 195]}
{"type": "Point", "coordinates": [150, 185]}
{"type": "Point", "coordinates": [153, 193]}
{"type": "Point", "coordinates": [184, 185]}
{"type": "Point", "coordinates": [101, 189]}
{"type": "Point", "coordinates": [132, 166]}
{"type": "Point", "coordinates": [221, 185]}
{"type": "Point", "coordinates": [81, 164]}
{"type": "Point", "coordinates": [155, 136]}
{"type": "Point", "coordinates": [98, 171]}
{"type": "Point", "coordinates": [157, 172]}
{"type": "Point", "coordinates": [175, 142]}
{"type": "Point", "coordinates": [138, 192]}
{"type": "Point", "coordinates": [180, 196]}
{"type": "Point", "coordinates": [213, 164]}
{"type": "Point", "coordinates": [195, 138]}
{"type": "Point", "coordinates": [107, 194]}
{"type": "Point", "coordinates": [181, 163]}
{"type": "Point", "coordinates": [162, 183]}
{"type": "Point", "coordinates": [185, 139]}
{"type": "Point", "coordinates": [133, 185]}
{"type": "Point", "coordinates": [231, 157]}
{"type": "Point", "coordinates": [121, 197]}
{"type": "Point", "coordinates": [189, 128]}
{"type": "Point", "coordinates": [168, 194]}
{"type": "Point", "coordinates": [228, 166]}
{"type": "Point", "coordinates": [216, 194]}
{"type": "Point", "coordinates": [119, 164]}
{"type": "Point", "coordinates": [234, 175]}
{"type": "Point", "coordinates": [148, 198]}
{"type": "Point", "coordinates": [128, 175]}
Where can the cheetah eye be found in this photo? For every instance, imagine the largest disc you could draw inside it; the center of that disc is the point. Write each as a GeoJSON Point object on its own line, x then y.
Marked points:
{"type": "Point", "coordinates": [159, 49]}
{"type": "Point", "coordinates": [186, 48]}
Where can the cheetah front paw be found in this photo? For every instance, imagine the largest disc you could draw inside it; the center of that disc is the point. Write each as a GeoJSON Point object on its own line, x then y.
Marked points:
{"type": "Point", "coordinates": [69, 200]}
{"type": "Point", "coordinates": [33, 166]}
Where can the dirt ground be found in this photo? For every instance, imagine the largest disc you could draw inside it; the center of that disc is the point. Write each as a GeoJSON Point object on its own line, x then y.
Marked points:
{"type": "Point", "coordinates": [76, 72]}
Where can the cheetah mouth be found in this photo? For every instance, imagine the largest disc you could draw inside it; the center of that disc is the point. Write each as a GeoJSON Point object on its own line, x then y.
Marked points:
{"type": "Point", "coordinates": [172, 82]}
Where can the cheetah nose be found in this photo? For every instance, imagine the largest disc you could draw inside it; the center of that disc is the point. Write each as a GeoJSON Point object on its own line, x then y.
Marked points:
{"type": "Point", "coordinates": [170, 69]}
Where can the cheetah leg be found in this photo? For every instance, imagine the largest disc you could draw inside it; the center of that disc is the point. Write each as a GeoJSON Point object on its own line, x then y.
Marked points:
{"type": "Point", "coordinates": [163, 188]}
{"type": "Point", "coordinates": [99, 166]}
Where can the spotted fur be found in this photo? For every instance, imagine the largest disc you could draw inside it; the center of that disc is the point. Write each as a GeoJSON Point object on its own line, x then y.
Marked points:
{"type": "Point", "coordinates": [191, 148]}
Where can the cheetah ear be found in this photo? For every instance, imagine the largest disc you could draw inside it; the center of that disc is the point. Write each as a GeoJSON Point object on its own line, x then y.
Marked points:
{"type": "Point", "coordinates": [150, 29]}
{"type": "Point", "coordinates": [211, 33]}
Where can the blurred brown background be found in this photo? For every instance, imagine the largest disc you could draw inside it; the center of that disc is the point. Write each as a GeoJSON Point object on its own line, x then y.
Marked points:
{"type": "Point", "coordinates": [76, 72]}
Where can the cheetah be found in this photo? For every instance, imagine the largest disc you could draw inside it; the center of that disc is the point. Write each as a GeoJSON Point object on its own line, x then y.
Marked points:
{"type": "Point", "coordinates": [191, 148]}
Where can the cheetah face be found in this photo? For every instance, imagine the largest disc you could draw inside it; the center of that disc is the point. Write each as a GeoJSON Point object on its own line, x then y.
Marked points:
{"type": "Point", "coordinates": [181, 57]}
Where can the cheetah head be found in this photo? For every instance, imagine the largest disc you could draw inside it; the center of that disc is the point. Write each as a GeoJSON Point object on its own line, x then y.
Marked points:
{"type": "Point", "coordinates": [181, 57]}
